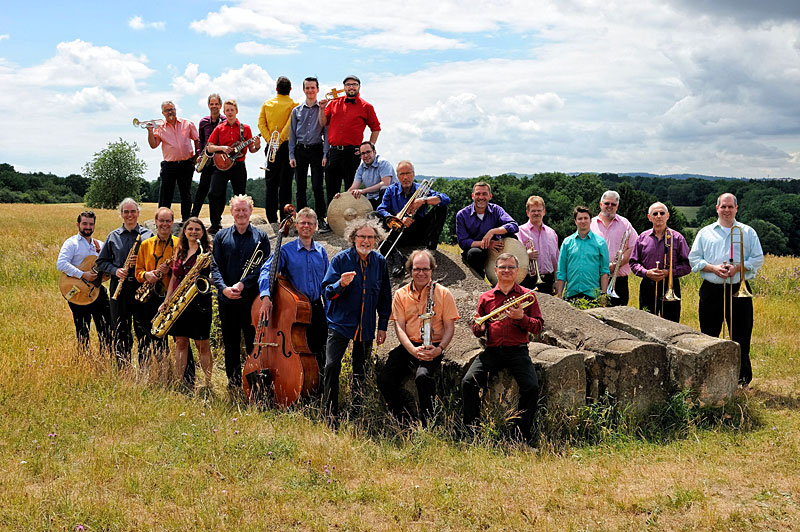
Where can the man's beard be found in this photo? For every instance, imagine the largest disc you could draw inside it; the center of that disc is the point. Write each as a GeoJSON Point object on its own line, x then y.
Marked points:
{"type": "Point", "coordinates": [86, 233]}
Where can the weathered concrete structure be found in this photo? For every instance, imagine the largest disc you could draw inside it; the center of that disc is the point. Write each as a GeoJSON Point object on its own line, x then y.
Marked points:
{"type": "Point", "coordinates": [708, 366]}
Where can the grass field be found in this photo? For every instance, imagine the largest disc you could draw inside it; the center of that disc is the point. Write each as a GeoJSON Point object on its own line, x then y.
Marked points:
{"type": "Point", "coordinates": [84, 447]}
{"type": "Point", "coordinates": [690, 213]}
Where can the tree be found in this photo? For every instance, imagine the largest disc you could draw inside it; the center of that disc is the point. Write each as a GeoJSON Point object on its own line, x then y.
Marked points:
{"type": "Point", "coordinates": [114, 174]}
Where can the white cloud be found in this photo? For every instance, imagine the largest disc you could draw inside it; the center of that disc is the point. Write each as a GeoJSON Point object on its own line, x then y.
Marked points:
{"type": "Point", "coordinates": [88, 100]}
{"type": "Point", "coordinates": [137, 23]}
{"type": "Point", "coordinates": [255, 48]}
{"type": "Point", "coordinates": [235, 19]}
{"type": "Point", "coordinates": [405, 42]}
{"type": "Point", "coordinates": [4, 37]}
{"type": "Point", "coordinates": [249, 85]}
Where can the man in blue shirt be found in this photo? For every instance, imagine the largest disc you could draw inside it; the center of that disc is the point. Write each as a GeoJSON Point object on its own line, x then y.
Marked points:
{"type": "Point", "coordinates": [236, 279]}
{"type": "Point", "coordinates": [480, 226]}
{"type": "Point", "coordinates": [304, 263]}
{"type": "Point", "coordinates": [374, 173]}
{"type": "Point", "coordinates": [582, 261]}
{"type": "Point", "coordinates": [357, 288]}
{"type": "Point", "coordinates": [424, 220]}
{"type": "Point", "coordinates": [308, 146]}
{"type": "Point", "coordinates": [73, 252]}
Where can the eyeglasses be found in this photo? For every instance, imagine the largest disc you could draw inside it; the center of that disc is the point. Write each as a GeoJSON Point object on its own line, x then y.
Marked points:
{"type": "Point", "coordinates": [420, 270]}
{"type": "Point", "coordinates": [169, 110]}
{"type": "Point", "coordinates": [306, 223]}
{"type": "Point", "coordinates": [351, 84]}
{"type": "Point", "coordinates": [366, 237]}
{"type": "Point", "coordinates": [659, 213]}
{"type": "Point", "coordinates": [609, 204]}
{"type": "Point", "coordinates": [506, 268]}
{"type": "Point", "coordinates": [363, 153]}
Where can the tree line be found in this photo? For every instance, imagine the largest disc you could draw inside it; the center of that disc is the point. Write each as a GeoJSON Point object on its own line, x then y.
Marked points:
{"type": "Point", "coordinates": [770, 206]}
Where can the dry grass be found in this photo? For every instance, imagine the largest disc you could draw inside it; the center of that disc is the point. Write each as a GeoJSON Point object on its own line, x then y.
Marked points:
{"type": "Point", "coordinates": [83, 445]}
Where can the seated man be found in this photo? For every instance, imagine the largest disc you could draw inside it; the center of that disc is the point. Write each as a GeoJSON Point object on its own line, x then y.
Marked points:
{"type": "Point", "coordinates": [419, 353]}
{"type": "Point", "coordinates": [480, 226]}
{"type": "Point", "coordinates": [582, 261]}
{"type": "Point", "coordinates": [423, 225]}
{"type": "Point", "coordinates": [506, 347]}
{"type": "Point", "coordinates": [374, 173]}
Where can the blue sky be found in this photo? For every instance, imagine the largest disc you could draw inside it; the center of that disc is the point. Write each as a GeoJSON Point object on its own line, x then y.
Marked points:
{"type": "Point", "coordinates": [460, 89]}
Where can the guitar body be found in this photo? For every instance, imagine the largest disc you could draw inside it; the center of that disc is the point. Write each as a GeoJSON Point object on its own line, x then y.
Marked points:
{"type": "Point", "coordinates": [222, 161]}
{"type": "Point", "coordinates": [281, 360]}
{"type": "Point", "coordinates": [78, 290]}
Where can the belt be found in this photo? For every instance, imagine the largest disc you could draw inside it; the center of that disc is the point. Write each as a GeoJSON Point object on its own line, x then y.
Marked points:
{"type": "Point", "coordinates": [309, 146]}
{"type": "Point", "coordinates": [178, 162]}
{"type": "Point", "coordinates": [343, 147]}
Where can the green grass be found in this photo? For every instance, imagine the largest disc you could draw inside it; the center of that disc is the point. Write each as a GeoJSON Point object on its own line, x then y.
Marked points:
{"type": "Point", "coordinates": [82, 445]}
{"type": "Point", "coordinates": [690, 213]}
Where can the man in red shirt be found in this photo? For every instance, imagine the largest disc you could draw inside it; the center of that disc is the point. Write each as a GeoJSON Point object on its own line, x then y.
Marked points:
{"type": "Point", "coordinates": [175, 136]}
{"type": "Point", "coordinates": [346, 119]}
{"type": "Point", "coordinates": [506, 347]}
{"type": "Point", "coordinates": [222, 139]}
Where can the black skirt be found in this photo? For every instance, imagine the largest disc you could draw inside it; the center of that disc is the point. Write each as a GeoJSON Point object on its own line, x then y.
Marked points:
{"type": "Point", "coordinates": [195, 322]}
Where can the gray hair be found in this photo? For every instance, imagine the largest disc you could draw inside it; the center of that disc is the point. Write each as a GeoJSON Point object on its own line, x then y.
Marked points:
{"type": "Point", "coordinates": [610, 194]}
{"type": "Point", "coordinates": [125, 202]}
{"type": "Point", "coordinates": [506, 256]}
{"type": "Point", "coordinates": [735, 201]}
{"type": "Point", "coordinates": [241, 197]}
{"type": "Point", "coordinates": [307, 212]}
{"type": "Point", "coordinates": [214, 95]}
{"type": "Point", "coordinates": [167, 102]}
{"type": "Point", "coordinates": [359, 223]}
{"type": "Point", "coordinates": [409, 163]}
{"type": "Point", "coordinates": [651, 207]}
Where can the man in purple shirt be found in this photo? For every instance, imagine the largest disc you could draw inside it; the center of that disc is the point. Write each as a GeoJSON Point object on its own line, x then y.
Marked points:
{"type": "Point", "coordinates": [480, 226]}
{"type": "Point", "coordinates": [653, 255]}
{"type": "Point", "coordinates": [207, 125]}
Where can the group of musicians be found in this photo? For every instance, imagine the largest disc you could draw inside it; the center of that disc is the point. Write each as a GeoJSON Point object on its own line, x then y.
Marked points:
{"type": "Point", "coordinates": [350, 295]}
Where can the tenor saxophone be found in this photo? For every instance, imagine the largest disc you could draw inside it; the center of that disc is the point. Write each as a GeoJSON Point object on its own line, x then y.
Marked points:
{"type": "Point", "coordinates": [191, 285]}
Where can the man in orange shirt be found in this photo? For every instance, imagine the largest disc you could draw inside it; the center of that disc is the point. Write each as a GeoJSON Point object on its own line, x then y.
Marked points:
{"type": "Point", "coordinates": [175, 136]}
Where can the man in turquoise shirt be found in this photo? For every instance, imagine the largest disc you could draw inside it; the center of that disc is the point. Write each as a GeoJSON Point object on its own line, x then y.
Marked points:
{"type": "Point", "coordinates": [582, 261]}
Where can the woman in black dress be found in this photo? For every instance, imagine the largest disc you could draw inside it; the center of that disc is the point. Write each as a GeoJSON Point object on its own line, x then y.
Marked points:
{"type": "Point", "coordinates": [195, 321]}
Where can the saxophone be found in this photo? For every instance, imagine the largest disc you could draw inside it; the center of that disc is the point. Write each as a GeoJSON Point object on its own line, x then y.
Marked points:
{"type": "Point", "coordinates": [191, 285]}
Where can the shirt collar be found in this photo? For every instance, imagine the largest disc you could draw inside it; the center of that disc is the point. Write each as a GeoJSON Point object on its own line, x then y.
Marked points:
{"type": "Point", "coordinates": [516, 289]}
{"type": "Point", "coordinates": [300, 245]}
{"type": "Point", "coordinates": [374, 162]}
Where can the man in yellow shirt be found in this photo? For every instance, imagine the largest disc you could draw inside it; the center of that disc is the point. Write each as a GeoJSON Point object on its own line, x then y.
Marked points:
{"type": "Point", "coordinates": [275, 116]}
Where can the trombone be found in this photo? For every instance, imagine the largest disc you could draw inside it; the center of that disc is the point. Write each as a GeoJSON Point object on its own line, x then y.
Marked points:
{"type": "Point", "coordinates": [728, 294]}
{"type": "Point", "coordinates": [395, 223]}
{"type": "Point", "coordinates": [156, 122]}
{"type": "Point", "coordinates": [670, 293]}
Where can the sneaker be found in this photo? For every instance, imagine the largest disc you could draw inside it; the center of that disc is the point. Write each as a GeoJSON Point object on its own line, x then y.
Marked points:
{"type": "Point", "coordinates": [324, 227]}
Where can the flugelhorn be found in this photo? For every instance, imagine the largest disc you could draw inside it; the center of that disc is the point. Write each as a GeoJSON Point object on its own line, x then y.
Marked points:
{"type": "Point", "coordinates": [272, 148]}
{"type": "Point", "coordinates": [156, 122]}
{"type": "Point", "coordinates": [335, 93]}
{"type": "Point", "coordinates": [617, 259]}
{"type": "Point", "coordinates": [525, 300]}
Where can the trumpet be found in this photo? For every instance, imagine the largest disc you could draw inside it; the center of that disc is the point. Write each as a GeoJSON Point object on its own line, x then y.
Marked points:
{"type": "Point", "coordinates": [272, 148]}
{"type": "Point", "coordinates": [525, 300]}
{"type": "Point", "coordinates": [617, 259]}
{"type": "Point", "coordinates": [253, 262]}
{"type": "Point", "coordinates": [335, 93]}
{"type": "Point", "coordinates": [156, 122]}
{"type": "Point", "coordinates": [533, 266]}
{"type": "Point", "coordinates": [670, 293]}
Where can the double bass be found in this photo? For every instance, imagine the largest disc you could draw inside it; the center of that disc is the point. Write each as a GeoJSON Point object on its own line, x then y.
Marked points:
{"type": "Point", "coordinates": [281, 360]}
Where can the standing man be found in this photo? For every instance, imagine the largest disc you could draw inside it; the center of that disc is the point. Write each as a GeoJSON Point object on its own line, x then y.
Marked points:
{"type": "Point", "coordinates": [222, 139]}
{"type": "Point", "coordinates": [410, 306]}
{"type": "Point", "coordinates": [73, 252]}
{"type": "Point", "coordinates": [275, 116]}
{"type": "Point", "coordinates": [308, 147]}
{"type": "Point", "coordinates": [613, 227]}
{"type": "Point", "coordinates": [303, 262]}
{"type": "Point", "coordinates": [357, 288]}
{"type": "Point", "coordinates": [112, 260]}
{"type": "Point", "coordinates": [480, 226]}
{"type": "Point", "coordinates": [719, 260]}
{"type": "Point", "coordinates": [582, 261]}
{"type": "Point", "coordinates": [346, 119]}
{"type": "Point", "coordinates": [207, 125]}
{"type": "Point", "coordinates": [650, 261]}
{"type": "Point", "coordinates": [506, 347]}
{"type": "Point", "coordinates": [542, 245]}
{"type": "Point", "coordinates": [374, 173]}
{"type": "Point", "coordinates": [175, 136]}
{"type": "Point", "coordinates": [237, 287]}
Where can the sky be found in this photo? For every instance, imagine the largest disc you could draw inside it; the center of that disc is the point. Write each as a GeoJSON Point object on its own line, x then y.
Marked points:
{"type": "Point", "coordinates": [460, 89]}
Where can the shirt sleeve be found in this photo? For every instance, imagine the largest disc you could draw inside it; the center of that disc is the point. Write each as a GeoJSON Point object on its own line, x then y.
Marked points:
{"type": "Point", "coordinates": [263, 127]}
{"type": "Point", "coordinates": [464, 241]}
{"type": "Point", "coordinates": [141, 258]}
{"type": "Point", "coordinates": [755, 258]}
{"type": "Point", "coordinates": [63, 263]}
{"type": "Point", "coordinates": [696, 257]}
{"type": "Point", "coordinates": [193, 131]}
{"type": "Point", "coordinates": [561, 274]}
{"type": "Point", "coordinates": [105, 260]}
{"type": "Point", "coordinates": [214, 137]}
{"type": "Point", "coordinates": [636, 266]}
{"type": "Point", "coordinates": [292, 132]}
{"type": "Point", "coordinates": [601, 243]}
{"type": "Point", "coordinates": [384, 297]}
{"type": "Point", "coordinates": [449, 309]}
{"type": "Point", "coordinates": [508, 222]}
{"type": "Point", "coordinates": [386, 203]}
{"type": "Point", "coordinates": [682, 266]}
{"type": "Point", "coordinates": [372, 119]}
{"type": "Point", "coordinates": [216, 255]}
{"type": "Point", "coordinates": [444, 199]}
{"type": "Point", "coordinates": [331, 286]}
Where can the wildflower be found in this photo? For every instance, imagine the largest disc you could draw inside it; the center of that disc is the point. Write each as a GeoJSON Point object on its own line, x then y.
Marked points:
{"type": "Point", "coordinates": [79, 528]}
{"type": "Point", "coordinates": [236, 432]}
{"type": "Point", "coordinates": [234, 420]}
{"type": "Point", "coordinates": [269, 453]}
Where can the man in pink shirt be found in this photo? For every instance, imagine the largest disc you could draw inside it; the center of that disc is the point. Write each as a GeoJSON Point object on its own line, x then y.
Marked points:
{"type": "Point", "coordinates": [542, 245]}
{"type": "Point", "coordinates": [613, 227]}
{"type": "Point", "coordinates": [175, 136]}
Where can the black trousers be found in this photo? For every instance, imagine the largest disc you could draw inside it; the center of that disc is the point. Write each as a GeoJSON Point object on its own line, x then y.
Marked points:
{"type": "Point", "coordinates": [153, 345]}
{"type": "Point", "coordinates": [517, 360]}
{"type": "Point", "coordinates": [711, 315]}
{"type": "Point", "coordinates": [655, 304]}
{"type": "Point", "coordinates": [202, 188]}
{"type": "Point", "coordinates": [547, 286]}
{"type": "Point", "coordinates": [234, 320]}
{"type": "Point", "coordinates": [341, 168]}
{"type": "Point", "coordinates": [100, 312]}
{"type": "Point", "coordinates": [400, 364]}
{"type": "Point", "coordinates": [124, 311]}
{"type": "Point", "coordinates": [317, 334]}
{"type": "Point", "coordinates": [217, 193]}
{"type": "Point", "coordinates": [279, 176]}
{"type": "Point", "coordinates": [180, 172]}
{"type": "Point", "coordinates": [621, 288]}
{"type": "Point", "coordinates": [475, 258]}
{"type": "Point", "coordinates": [310, 156]}
{"type": "Point", "coordinates": [425, 231]}
{"type": "Point", "coordinates": [334, 351]}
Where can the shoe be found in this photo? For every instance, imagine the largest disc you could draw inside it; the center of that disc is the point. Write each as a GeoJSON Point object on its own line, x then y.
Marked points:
{"type": "Point", "coordinates": [214, 229]}
{"type": "Point", "coordinates": [324, 227]}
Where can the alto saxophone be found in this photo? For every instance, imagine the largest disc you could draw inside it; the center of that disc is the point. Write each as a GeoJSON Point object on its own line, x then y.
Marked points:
{"type": "Point", "coordinates": [147, 290]}
{"type": "Point", "coordinates": [191, 285]}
